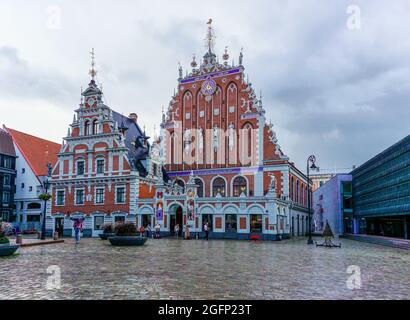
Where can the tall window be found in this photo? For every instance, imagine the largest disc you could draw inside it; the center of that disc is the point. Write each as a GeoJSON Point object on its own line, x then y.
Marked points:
{"type": "Point", "coordinates": [6, 197]}
{"type": "Point", "coordinates": [60, 198]}
{"type": "Point", "coordinates": [120, 196]}
{"type": "Point", "coordinates": [98, 222]}
{"type": "Point", "coordinates": [297, 191]}
{"type": "Point", "coordinates": [6, 180]}
{"type": "Point", "coordinates": [256, 223]}
{"type": "Point", "coordinates": [239, 186]}
{"type": "Point", "coordinates": [218, 186]}
{"type": "Point", "coordinates": [95, 127]}
{"type": "Point", "coordinates": [230, 223]}
{"type": "Point", "coordinates": [200, 187]}
{"type": "Point", "coordinates": [80, 168]}
{"type": "Point", "coordinates": [87, 128]}
{"type": "Point", "coordinates": [99, 195]}
{"type": "Point", "coordinates": [7, 162]}
{"type": "Point", "coordinates": [100, 166]}
{"type": "Point", "coordinates": [79, 196]}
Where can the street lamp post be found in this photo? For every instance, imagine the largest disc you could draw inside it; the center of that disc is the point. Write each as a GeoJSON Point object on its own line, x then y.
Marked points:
{"type": "Point", "coordinates": [310, 165]}
{"type": "Point", "coordinates": [45, 197]}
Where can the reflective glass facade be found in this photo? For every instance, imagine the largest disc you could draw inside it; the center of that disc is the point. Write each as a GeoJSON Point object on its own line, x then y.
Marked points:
{"type": "Point", "coordinates": [381, 192]}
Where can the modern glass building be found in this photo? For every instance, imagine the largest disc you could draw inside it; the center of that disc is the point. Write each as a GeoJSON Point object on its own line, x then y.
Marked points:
{"type": "Point", "coordinates": [381, 193]}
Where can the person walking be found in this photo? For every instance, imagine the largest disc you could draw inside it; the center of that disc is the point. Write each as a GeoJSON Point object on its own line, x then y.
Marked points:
{"type": "Point", "coordinates": [176, 230]}
{"type": "Point", "coordinates": [206, 230]}
{"type": "Point", "coordinates": [78, 228]}
{"type": "Point", "coordinates": [157, 230]}
{"type": "Point", "coordinates": [187, 233]}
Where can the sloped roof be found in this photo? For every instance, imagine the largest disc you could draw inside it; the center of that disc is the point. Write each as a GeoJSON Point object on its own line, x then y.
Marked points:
{"type": "Point", "coordinates": [35, 150]}
{"type": "Point", "coordinates": [6, 144]}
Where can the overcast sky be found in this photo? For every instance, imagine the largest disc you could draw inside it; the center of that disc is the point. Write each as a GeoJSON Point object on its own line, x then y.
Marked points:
{"type": "Point", "coordinates": [334, 83]}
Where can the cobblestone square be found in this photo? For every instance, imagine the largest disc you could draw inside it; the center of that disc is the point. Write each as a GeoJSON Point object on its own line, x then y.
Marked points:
{"type": "Point", "coordinates": [197, 269]}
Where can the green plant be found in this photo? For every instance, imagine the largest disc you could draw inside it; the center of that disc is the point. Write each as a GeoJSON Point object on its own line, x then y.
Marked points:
{"type": "Point", "coordinates": [125, 229]}
{"type": "Point", "coordinates": [108, 228]}
{"type": "Point", "coordinates": [44, 196]}
{"type": "Point", "coordinates": [4, 240]}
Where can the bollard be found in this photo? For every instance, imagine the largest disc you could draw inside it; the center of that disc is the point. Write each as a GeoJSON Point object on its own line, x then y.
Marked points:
{"type": "Point", "coordinates": [55, 236]}
{"type": "Point", "coordinates": [19, 238]}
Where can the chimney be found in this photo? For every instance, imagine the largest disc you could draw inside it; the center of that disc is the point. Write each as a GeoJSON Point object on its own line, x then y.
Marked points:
{"type": "Point", "coordinates": [133, 117]}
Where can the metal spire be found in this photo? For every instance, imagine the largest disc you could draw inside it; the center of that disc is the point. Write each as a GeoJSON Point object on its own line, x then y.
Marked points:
{"type": "Point", "coordinates": [92, 71]}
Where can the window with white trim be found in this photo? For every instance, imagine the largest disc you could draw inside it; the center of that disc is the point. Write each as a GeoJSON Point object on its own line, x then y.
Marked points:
{"type": "Point", "coordinates": [99, 195]}
{"type": "Point", "coordinates": [79, 196]}
{"type": "Point", "coordinates": [60, 199]}
{"type": "Point", "coordinates": [6, 180]}
{"type": "Point", "coordinates": [100, 166]}
{"type": "Point", "coordinates": [120, 194]}
{"type": "Point", "coordinates": [80, 167]}
{"type": "Point", "coordinates": [98, 222]}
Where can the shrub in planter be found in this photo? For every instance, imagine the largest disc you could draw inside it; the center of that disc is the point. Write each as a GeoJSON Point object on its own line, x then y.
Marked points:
{"type": "Point", "coordinates": [126, 235]}
{"type": "Point", "coordinates": [4, 240]}
{"type": "Point", "coordinates": [125, 229]}
{"type": "Point", "coordinates": [108, 228]}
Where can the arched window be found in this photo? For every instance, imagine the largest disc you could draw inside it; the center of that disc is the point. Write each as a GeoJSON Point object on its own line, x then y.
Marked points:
{"type": "Point", "coordinates": [95, 126]}
{"type": "Point", "coordinates": [87, 128]}
{"type": "Point", "coordinates": [292, 185]}
{"type": "Point", "coordinates": [180, 184]}
{"type": "Point", "coordinates": [297, 192]}
{"type": "Point", "coordinates": [200, 187]}
{"type": "Point", "coordinates": [239, 186]}
{"type": "Point", "coordinates": [33, 205]}
{"type": "Point", "coordinates": [218, 186]}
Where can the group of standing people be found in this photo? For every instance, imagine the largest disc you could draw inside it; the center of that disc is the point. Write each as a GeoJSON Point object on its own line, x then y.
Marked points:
{"type": "Point", "coordinates": [148, 231]}
{"type": "Point", "coordinates": [78, 228]}
{"type": "Point", "coordinates": [187, 233]}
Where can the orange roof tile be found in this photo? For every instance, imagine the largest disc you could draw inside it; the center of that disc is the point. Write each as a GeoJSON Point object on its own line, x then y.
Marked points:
{"type": "Point", "coordinates": [36, 151]}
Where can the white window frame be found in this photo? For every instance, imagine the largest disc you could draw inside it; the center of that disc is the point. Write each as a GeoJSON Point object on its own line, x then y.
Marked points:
{"type": "Point", "coordinates": [75, 197]}
{"type": "Point", "coordinates": [102, 225]}
{"type": "Point", "coordinates": [4, 180]}
{"type": "Point", "coordinates": [95, 195]}
{"type": "Point", "coordinates": [76, 167]}
{"type": "Point", "coordinates": [8, 197]}
{"type": "Point", "coordinates": [125, 194]}
{"type": "Point", "coordinates": [96, 165]}
{"type": "Point", "coordinates": [56, 201]}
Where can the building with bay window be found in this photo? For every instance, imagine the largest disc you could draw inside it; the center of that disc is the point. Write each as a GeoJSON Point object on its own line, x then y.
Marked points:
{"type": "Point", "coordinates": [7, 177]}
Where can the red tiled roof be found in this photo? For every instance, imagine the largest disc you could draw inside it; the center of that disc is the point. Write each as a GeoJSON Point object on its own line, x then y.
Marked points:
{"type": "Point", "coordinates": [6, 144]}
{"type": "Point", "coordinates": [36, 151]}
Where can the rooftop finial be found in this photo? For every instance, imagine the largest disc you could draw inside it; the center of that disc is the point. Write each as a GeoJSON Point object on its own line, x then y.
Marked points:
{"type": "Point", "coordinates": [210, 37]}
{"type": "Point", "coordinates": [92, 71]}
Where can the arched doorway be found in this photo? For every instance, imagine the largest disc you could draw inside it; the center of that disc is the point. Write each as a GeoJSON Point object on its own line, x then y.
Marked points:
{"type": "Point", "coordinates": [176, 217]}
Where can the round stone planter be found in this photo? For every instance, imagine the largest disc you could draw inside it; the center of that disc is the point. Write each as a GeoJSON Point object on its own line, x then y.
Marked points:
{"type": "Point", "coordinates": [127, 240]}
{"type": "Point", "coordinates": [8, 250]}
{"type": "Point", "coordinates": [105, 236]}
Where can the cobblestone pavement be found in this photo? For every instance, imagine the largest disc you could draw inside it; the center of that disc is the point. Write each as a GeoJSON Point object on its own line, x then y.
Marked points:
{"type": "Point", "coordinates": [197, 269]}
